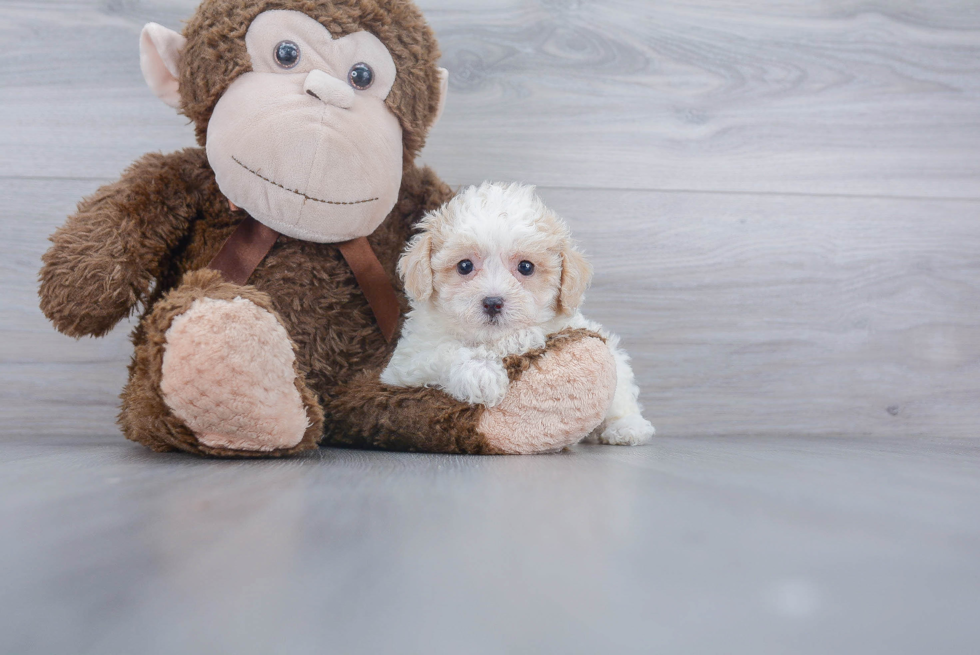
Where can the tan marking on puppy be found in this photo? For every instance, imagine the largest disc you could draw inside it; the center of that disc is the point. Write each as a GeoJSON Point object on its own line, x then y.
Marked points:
{"type": "Point", "coordinates": [415, 267]}
{"type": "Point", "coordinates": [576, 276]}
{"type": "Point", "coordinates": [493, 248]}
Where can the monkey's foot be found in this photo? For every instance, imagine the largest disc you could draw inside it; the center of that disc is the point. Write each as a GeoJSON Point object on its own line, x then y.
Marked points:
{"type": "Point", "coordinates": [554, 401]}
{"type": "Point", "coordinates": [229, 375]}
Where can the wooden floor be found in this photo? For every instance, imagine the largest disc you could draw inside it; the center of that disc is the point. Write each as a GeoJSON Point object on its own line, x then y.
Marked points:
{"type": "Point", "coordinates": [782, 204]}
{"type": "Point", "coordinates": [710, 545]}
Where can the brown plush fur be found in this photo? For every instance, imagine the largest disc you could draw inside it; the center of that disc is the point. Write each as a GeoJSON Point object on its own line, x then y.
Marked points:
{"type": "Point", "coordinates": [156, 223]}
{"type": "Point", "coordinates": [215, 55]}
{"type": "Point", "coordinates": [374, 415]}
{"type": "Point", "coordinates": [516, 365]}
{"type": "Point", "coordinates": [123, 237]}
{"type": "Point", "coordinates": [426, 419]}
{"type": "Point", "coordinates": [184, 220]}
{"type": "Point", "coordinates": [146, 241]}
{"type": "Point", "coordinates": [145, 416]}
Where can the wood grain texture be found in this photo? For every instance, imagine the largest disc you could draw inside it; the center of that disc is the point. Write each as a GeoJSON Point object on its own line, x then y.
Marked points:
{"type": "Point", "coordinates": [773, 314]}
{"type": "Point", "coordinates": [840, 97]}
{"type": "Point", "coordinates": [50, 384]}
{"type": "Point", "coordinates": [835, 97]}
{"type": "Point", "coordinates": [734, 545]}
{"type": "Point", "coordinates": [743, 313]}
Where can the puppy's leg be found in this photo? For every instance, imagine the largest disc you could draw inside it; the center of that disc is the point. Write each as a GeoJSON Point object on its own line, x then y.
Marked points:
{"type": "Point", "coordinates": [417, 363]}
{"type": "Point", "coordinates": [476, 379]}
{"type": "Point", "coordinates": [624, 425]}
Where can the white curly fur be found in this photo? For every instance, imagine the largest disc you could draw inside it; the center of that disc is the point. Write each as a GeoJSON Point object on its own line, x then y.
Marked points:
{"type": "Point", "coordinates": [448, 339]}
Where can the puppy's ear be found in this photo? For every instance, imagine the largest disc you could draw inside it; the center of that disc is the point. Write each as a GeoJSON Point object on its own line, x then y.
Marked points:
{"type": "Point", "coordinates": [415, 267]}
{"type": "Point", "coordinates": [576, 276]}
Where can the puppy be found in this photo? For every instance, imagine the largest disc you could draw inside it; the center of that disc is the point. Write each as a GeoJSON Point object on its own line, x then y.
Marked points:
{"type": "Point", "coordinates": [492, 273]}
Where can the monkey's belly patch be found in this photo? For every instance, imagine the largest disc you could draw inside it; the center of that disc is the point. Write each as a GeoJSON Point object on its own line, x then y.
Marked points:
{"type": "Point", "coordinates": [228, 374]}
{"type": "Point", "coordinates": [300, 193]}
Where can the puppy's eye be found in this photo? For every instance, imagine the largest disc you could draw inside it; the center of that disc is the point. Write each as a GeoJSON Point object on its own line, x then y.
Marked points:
{"type": "Point", "coordinates": [287, 54]}
{"type": "Point", "coordinates": [465, 267]}
{"type": "Point", "coordinates": [361, 76]}
{"type": "Point", "coordinates": [525, 268]}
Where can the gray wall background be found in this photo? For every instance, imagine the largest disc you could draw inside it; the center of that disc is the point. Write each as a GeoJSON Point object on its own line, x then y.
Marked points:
{"type": "Point", "coordinates": [781, 199]}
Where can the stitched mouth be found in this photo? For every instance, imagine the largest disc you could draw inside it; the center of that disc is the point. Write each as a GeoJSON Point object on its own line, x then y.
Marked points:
{"type": "Point", "coordinates": [299, 193]}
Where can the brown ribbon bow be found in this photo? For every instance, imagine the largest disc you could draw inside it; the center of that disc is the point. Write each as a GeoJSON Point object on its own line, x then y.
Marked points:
{"type": "Point", "coordinates": [251, 242]}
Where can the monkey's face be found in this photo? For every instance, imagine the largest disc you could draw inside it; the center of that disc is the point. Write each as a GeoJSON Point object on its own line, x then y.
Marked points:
{"type": "Point", "coordinates": [304, 142]}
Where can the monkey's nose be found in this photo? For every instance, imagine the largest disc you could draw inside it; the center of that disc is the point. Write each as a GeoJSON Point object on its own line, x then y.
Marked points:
{"type": "Point", "coordinates": [329, 89]}
{"type": "Point", "coordinates": [493, 305]}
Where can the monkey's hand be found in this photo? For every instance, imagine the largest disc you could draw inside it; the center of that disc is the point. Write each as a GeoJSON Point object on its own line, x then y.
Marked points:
{"type": "Point", "coordinates": [105, 257]}
{"type": "Point", "coordinates": [557, 395]}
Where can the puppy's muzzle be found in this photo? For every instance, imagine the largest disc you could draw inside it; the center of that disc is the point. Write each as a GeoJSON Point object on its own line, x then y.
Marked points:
{"type": "Point", "coordinates": [492, 306]}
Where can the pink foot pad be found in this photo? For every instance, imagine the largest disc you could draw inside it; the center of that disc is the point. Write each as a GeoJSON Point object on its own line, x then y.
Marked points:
{"type": "Point", "coordinates": [556, 403]}
{"type": "Point", "coordinates": [228, 374]}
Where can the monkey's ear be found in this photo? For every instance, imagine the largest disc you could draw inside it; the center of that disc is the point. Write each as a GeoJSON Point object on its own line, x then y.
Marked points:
{"type": "Point", "coordinates": [443, 91]}
{"type": "Point", "coordinates": [415, 267]}
{"type": "Point", "coordinates": [159, 57]}
{"type": "Point", "coordinates": [576, 275]}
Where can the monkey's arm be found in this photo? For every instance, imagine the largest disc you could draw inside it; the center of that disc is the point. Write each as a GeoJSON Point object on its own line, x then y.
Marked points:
{"type": "Point", "coordinates": [557, 396]}
{"type": "Point", "coordinates": [105, 257]}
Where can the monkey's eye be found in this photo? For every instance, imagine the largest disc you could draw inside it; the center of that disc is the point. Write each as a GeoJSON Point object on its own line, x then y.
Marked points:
{"type": "Point", "coordinates": [465, 267]}
{"type": "Point", "coordinates": [361, 76]}
{"type": "Point", "coordinates": [525, 268]}
{"type": "Point", "coordinates": [287, 54]}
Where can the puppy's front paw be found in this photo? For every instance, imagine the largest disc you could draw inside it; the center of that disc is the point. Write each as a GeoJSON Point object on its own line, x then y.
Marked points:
{"type": "Point", "coordinates": [632, 430]}
{"type": "Point", "coordinates": [479, 382]}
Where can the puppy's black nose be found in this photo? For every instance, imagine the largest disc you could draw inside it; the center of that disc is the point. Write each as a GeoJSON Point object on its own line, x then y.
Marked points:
{"type": "Point", "coordinates": [493, 305]}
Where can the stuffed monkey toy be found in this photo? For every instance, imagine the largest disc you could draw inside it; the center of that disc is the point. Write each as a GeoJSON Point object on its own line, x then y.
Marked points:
{"type": "Point", "coordinates": [263, 262]}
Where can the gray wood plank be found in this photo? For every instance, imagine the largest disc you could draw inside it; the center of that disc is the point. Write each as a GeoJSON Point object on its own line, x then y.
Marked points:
{"type": "Point", "coordinates": [762, 314]}
{"type": "Point", "coordinates": [836, 97]}
{"type": "Point", "coordinates": [735, 545]}
{"type": "Point", "coordinates": [841, 97]}
{"type": "Point", "coordinates": [49, 384]}
{"type": "Point", "coordinates": [743, 313]}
